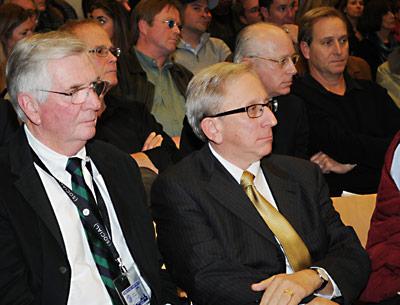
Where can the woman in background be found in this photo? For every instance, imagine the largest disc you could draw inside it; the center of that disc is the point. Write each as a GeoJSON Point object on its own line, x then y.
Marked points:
{"type": "Point", "coordinates": [353, 10]}
{"type": "Point", "coordinates": [377, 25]}
{"type": "Point", "coordinates": [15, 24]}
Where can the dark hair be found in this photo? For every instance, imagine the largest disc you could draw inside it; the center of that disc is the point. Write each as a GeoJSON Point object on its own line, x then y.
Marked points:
{"type": "Point", "coordinates": [11, 16]}
{"type": "Point", "coordinates": [371, 19]}
{"type": "Point", "coordinates": [146, 10]}
{"type": "Point", "coordinates": [122, 37]}
{"type": "Point", "coordinates": [265, 3]}
{"type": "Point", "coordinates": [308, 20]}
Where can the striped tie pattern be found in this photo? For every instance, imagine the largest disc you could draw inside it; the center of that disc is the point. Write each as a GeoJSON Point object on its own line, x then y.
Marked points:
{"type": "Point", "coordinates": [100, 253]}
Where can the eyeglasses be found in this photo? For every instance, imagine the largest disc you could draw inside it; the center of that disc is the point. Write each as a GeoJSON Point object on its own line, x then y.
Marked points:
{"type": "Point", "coordinates": [171, 23]}
{"type": "Point", "coordinates": [253, 111]}
{"type": "Point", "coordinates": [80, 95]}
{"type": "Point", "coordinates": [103, 51]}
{"type": "Point", "coordinates": [282, 62]}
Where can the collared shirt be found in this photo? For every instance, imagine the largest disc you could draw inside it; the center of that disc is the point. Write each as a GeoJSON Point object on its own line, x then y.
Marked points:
{"type": "Point", "coordinates": [262, 187]}
{"type": "Point", "coordinates": [394, 170]}
{"type": "Point", "coordinates": [86, 285]}
{"type": "Point", "coordinates": [209, 51]}
{"type": "Point", "coordinates": [169, 104]}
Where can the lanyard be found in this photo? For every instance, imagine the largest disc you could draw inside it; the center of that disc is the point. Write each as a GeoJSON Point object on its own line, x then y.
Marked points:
{"type": "Point", "coordinates": [92, 220]}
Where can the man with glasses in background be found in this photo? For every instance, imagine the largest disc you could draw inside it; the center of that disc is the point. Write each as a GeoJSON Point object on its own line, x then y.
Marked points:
{"type": "Point", "coordinates": [151, 77]}
{"type": "Point", "coordinates": [270, 53]}
{"type": "Point", "coordinates": [75, 228]}
{"type": "Point", "coordinates": [129, 126]}
{"type": "Point", "coordinates": [239, 225]}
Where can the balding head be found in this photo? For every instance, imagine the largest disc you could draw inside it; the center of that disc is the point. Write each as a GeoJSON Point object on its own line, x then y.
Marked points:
{"type": "Point", "coordinates": [253, 39]}
{"type": "Point", "coordinates": [268, 49]}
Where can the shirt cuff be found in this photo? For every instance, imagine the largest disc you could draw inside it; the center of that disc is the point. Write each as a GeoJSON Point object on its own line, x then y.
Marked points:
{"type": "Point", "coordinates": [336, 291]}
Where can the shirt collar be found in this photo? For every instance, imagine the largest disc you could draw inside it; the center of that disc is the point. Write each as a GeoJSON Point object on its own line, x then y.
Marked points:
{"type": "Point", "coordinates": [184, 45]}
{"type": "Point", "coordinates": [150, 62]}
{"type": "Point", "coordinates": [235, 171]}
{"type": "Point", "coordinates": [54, 161]}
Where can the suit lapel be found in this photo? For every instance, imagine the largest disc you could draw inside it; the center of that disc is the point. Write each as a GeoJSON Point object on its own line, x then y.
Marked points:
{"type": "Point", "coordinates": [30, 185]}
{"type": "Point", "coordinates": [227, 192]}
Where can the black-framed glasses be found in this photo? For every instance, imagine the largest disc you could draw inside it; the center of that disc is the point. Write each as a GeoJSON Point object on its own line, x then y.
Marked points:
{"type": "Point", "coordinates": [80, 95]}
{"type": "Point", "coordinates": [103, 51]}
{"type": "Point", "coordinates": [282, 62]}
{"type": "Point", "coordinates": [253, 111]}
{"type": "Point", "coordinates": [171, 23]}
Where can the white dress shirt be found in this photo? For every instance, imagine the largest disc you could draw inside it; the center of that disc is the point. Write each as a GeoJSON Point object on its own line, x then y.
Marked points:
{"type": "Point", "coordinates": [395, 169]}
{"type": "Point", "coordinates": [86, 285]}
{"type": "Point", "coordinates": [262, 187]}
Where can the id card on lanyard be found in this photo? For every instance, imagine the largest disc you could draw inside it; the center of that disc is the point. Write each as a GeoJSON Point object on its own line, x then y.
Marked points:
{"type": "Point", "coordinates": [127, 283]}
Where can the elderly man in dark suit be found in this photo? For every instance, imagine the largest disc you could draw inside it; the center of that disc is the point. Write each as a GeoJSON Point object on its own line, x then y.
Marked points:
{"type": "Point", "coordinates": [74, 225]}
{"type": "Point", "coordinates": [237, 225]}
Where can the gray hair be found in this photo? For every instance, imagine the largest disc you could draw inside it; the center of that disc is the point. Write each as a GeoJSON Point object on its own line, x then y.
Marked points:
{"type": "Point", "coordinates": [251, 40]}
{"type": "Point", "coordinates": [27, 66]}
{"type": "Point", "coordinates": [206, 91]}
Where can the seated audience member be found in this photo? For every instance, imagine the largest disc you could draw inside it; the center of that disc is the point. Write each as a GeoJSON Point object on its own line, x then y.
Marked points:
{"type": "Point", "coordinates": [248, 11]}
{"type": "Point", "coordinates": [281, 13]}
{"type": "Point", "coordinates": [8, 121]}
{"type": "Point", "coordinates": [196, 49]}
{"type": "Point", "coordinates": [351, 121]}
{"type": "Point", "coordinates": [225, 23]}
{"type": "Point", "coordinates": [15, 24]}
{"type": "Point", "coordinates": [388, 76]}
{"type": "Point", "coordinates": [129, 126]}
{"type": "Point", "coordinates": [53, 14]}
{"type": "Point", "coordinates": [114, 18]}
{"type": "Point", "coordinates": [383, 244]}
{"type": "Point", "coordinates": [376, 25]}
{"type": "Point", "coordinates": [271, 54]}
{"type": "Point", "coordinates": [29, 5]}
{"type": "Point", "coordinates": [352, 10]}
{"type": "Point", "coordinates": [151, 77]}
{"type": "Point", "coordinates": [72, 212]}
{"type": "Point", "coordinates": [226, 240]}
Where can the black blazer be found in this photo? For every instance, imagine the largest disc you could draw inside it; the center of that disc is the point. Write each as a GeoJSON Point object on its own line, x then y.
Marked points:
{"type": "Point", "coordinates": [33, 261]}
{"type": "Point", "coordinates": [216, 245]}
{"type": "Point", "coordinates": [8, 121]}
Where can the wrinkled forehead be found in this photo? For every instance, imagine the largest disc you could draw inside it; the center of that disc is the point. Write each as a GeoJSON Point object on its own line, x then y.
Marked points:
{"type": "Point", "coordinates": [72, 71]}
{"type": "Point", "coordinates": [328, 25]}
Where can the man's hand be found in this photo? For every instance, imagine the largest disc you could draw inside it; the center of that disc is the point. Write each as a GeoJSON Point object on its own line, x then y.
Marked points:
{"type": "Point", "coordinates": [321, 301]}
{"type": "Point", "coordinates": [153, 140]}
{"type": "Point", "coordinates": [327, 164]}
{"type": "Point", "coordinates": [143, 161]}
{"type": "Point", "coordinates": [288, 289]}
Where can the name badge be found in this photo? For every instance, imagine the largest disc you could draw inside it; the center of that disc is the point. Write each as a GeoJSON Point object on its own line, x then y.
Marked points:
{"type": "Point", "coordinates": [130, 289]}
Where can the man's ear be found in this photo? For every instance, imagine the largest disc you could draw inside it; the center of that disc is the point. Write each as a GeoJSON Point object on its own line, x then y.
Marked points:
{"type": "Point", "coordinates": [305, 49]}
{"type": "Point", "coordinates": [212, 129]}
{"type": "Point", "coordinates": [143, 26]}
{"type": "Point", "coordinates": [30, 107]}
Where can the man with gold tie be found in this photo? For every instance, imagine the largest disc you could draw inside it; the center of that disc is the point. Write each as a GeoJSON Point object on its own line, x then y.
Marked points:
{"type": "Point", "coordinates": [237, 225]}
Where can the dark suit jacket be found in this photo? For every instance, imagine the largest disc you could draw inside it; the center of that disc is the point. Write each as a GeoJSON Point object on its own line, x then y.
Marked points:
{"type": "Point", "coordinates": [127, 126]}
{"type": "Point", "coordinates": [33, 261]}
{"type": "Point", "coordinates": [290, 134]}
{"type": "Point", "coordinates": [8, 121]}
{"type": "Point", "coordinates": [216, 245]}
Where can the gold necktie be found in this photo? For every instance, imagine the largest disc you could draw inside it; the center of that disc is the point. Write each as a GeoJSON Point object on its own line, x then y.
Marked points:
{"type": "Point", "coordinates": [295, 250]}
